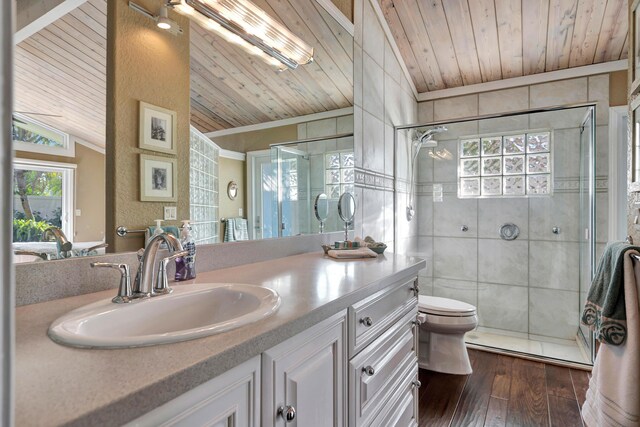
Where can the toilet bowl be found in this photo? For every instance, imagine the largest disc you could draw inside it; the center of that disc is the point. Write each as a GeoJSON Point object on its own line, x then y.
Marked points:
{"type": "Point", "coordinates": [441, 334]}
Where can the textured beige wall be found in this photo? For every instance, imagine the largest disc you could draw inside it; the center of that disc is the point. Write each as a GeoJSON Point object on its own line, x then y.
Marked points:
{"type": "Point", "coordinates": [257, 139]}
{"type": "Point", "coordinates": [90, 189]}
{"type": "Point", "coordinates": [90, 194]}
{"type": "Point", "coordinates": [150, 65]}
{"type": "Point", "coordinates": [232, 170]}
{"type": "Point", "coordinates": [618, 88]}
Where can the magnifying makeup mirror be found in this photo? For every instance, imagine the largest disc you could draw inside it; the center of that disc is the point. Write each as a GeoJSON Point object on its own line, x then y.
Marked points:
{"type": "Point", "coordinates": [346, 211]}
{"type": "Point", "coordinates": [321, 208]}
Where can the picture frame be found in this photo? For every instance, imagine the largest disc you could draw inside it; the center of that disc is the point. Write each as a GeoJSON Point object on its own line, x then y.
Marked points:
{"type": "Point", "coordinates": [634, 37]}
{"type": "Point", "coordinates": [158, 129]}
{"type": "Point", "coordinates": [158, 179]}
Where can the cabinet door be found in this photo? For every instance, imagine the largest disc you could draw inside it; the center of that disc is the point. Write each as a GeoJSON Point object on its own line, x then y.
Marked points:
{"type": "Point", "coordinates": [306, 374]}
{"type": "Point", "coordinates": [229, 400]}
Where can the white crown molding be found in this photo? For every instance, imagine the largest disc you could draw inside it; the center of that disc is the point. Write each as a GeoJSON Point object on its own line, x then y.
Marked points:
{"type": "Point", "coordinates": [233, 155]}
{"type": "Point", "coordinates": [47, 18]}
{"type": "Point", "coordinates": [284, 122]}
{"type": "Point", "coordinates": [337, 14]}
{"type": "Point", "coordinates": [568, 73]}
{"type": "Point", "coordinates": [90, 145]}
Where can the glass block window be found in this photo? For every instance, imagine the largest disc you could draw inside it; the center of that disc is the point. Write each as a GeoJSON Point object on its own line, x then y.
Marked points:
{"type": "Point", "coordinates": [339, 173]}
{"type": "Point", "coordinates": [203, 195]}
{"type": "Point", "coordinates": [505, 165]}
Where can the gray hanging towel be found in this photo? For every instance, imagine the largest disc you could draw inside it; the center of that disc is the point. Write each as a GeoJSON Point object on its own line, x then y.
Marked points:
{"type": "Point", "coordinates": [604, 312]}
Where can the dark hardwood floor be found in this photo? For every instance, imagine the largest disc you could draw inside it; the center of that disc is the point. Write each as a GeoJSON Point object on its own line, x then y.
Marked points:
{"type": "Point", "coordinates": [503, 391]}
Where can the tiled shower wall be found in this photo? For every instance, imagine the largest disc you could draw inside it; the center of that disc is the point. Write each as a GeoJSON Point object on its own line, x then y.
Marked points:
{"type": "Point", "coordinates": [383, 99]}
{"type": "Point", "coordinates": [528, 286]}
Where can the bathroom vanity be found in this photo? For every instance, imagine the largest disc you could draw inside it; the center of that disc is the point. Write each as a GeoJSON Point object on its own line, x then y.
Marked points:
{"type": "Point", "coordinates": [341, 347]}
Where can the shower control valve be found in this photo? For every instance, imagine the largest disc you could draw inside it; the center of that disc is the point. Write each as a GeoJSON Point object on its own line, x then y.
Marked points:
{"type": "Point", "coordinates": [464, 228]}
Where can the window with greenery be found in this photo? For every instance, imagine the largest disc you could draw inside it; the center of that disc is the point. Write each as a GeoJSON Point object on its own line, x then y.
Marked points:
{"type": "Point", "coordinates": [31, 135]}
{"type": "Point", "coordinates": [505, 165]}
{"type": "Point", "coordinates": [42, 197]}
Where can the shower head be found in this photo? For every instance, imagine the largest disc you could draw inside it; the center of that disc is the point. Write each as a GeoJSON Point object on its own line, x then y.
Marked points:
{"type": "Point", "coordinates": [425, 139]}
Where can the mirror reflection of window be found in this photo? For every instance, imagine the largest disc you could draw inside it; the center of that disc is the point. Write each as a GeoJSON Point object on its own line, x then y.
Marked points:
{"type": "Point", "coordinates": [43, 197]}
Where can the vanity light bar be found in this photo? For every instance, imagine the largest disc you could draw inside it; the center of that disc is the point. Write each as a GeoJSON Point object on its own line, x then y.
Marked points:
{"type": "Point", "coordinates": [242, 23]}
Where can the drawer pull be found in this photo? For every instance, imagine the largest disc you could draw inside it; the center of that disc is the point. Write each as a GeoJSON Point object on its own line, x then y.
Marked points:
{"type": "Point", "coordinates": [287, 412]}
{"type": "Point", "coordinates": [366, 321]}
{"type": "Point", "coordinates": [415, 289]}
{"type": "Point", "coordinates": [369, 370]}
{"type": "Point", "coordinates": [416, 384]}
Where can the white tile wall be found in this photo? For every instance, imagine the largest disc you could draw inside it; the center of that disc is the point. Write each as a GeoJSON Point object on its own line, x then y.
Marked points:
{"type": "Point", "coordinates": [455, 258]}
{"type": "Point", "coordinates": [502, 261]}
{"type": "Point", "coordinates": [503, 101]}
{"type": "Point", "coordinates": [559, 210]}
{"type": "Point", "coordinates": [450, 215]}
{"type": "Point", "coordinates": [503, 307]}
{"type": "Point", "coordinates": [460, 290]}
{"type": "Point", "coordinates": [456, 107]}
{"type": "Point", "coordinates": [563, 92]}
{"type": "Point", "coordinates": [554, 265]}
{"type": "Point", "coordinates": [553, 313]}
{"type": "Point", "coordinates": [493, 213]}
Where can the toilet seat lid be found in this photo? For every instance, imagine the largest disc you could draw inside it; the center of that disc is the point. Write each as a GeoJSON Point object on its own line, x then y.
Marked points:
{"type": "Point", "coordinates": [444, 306]}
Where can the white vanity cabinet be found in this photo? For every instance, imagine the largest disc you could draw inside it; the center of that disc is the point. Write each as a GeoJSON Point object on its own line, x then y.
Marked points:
{"type": "Point", "coordinates": [383, 372]}
{"type": "Point", "coordinates": [229, 400]}
{"type": "Point", "coordinates": [304, 379]}
{"type": "Point", "coordinates": [357, 368]}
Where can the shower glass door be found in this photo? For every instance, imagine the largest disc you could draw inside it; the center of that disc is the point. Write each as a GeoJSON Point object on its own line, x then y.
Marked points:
{"type": "Point", "coordinates": [293, 191]}
{"type": "Point", "coordinates": [587, 220]}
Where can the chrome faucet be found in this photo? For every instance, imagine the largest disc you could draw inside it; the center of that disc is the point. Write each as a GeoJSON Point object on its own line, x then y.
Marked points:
{"type": "Point", "coordinates": [62, 243]}
{"type": "Point", "coordinates": [144, 285]}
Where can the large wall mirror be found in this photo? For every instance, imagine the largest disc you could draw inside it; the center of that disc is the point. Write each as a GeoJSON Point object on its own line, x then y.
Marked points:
{"type": "Point", "coordinates": [281, 137]}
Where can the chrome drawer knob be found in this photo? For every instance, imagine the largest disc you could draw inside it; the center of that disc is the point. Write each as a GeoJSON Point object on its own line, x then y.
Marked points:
{"type": "Point", "coordinates": [416, 384]}
{"type": "Point", "coordinates": [415, 289]}
{"type": "Point", "coordinates": [369, 370]}
{"type": "Point", "coordinates": [366, 321]}
{"type": "Point", "coordinates": [287, 412]}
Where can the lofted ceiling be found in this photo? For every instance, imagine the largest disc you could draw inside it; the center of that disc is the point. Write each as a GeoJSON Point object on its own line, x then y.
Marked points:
{"type": "Point", "coordinates": [60, 73]}
{"type": "Point", "coordinates": [452, 43]}
{"type": "Point", "coordinates": [230, 88]}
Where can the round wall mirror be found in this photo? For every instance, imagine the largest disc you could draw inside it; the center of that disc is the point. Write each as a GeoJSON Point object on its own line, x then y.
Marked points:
{"type": "Point", "coordinates": [321, 207]}
{"type": "Point", "coordinates": [346, 207]}
{"type": "Point", "coordinates": [232, 190]}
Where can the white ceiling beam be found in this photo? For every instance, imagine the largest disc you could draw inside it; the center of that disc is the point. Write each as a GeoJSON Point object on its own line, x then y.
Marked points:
{"type": "Point", "coordinates": [34, 15]}
{"type": "Point", "coordinates": [567, 73]}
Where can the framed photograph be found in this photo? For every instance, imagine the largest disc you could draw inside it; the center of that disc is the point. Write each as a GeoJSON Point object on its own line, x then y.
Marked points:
{"type": "Point", "coordinates": [158, 179]}
{"type": "Point", "coordinates": [157, 129]}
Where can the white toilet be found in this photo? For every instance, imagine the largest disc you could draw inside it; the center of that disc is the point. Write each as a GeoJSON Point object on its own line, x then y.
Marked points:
{"type": "Point", "coordinates": [441, 335]}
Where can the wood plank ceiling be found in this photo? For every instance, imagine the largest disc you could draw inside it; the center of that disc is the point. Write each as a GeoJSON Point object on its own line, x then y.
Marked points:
{"type": "Point", "coordinates": [452, 43]}
{"type": "Point", "coordinates": [231, 88]}
{"type": "Point", "coordinates": [60, 73]}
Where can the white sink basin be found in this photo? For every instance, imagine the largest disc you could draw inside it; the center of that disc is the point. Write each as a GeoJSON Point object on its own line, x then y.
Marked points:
{"type": "Point", "coordinates": [191, 311]}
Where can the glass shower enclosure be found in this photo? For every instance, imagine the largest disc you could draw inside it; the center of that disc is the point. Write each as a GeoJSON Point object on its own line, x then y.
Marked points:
{"type": "Point", "coordinates": [504, 212]}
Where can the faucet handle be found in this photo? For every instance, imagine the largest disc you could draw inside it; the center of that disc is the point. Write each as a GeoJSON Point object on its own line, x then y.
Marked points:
{"type": "Point", "coordinates": [124, 291]}
{"type": "Point", "coordinates": [162, 283]}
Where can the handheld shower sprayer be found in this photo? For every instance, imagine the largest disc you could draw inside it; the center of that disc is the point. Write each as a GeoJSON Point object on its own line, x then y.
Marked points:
{"type": "Point", "coordinates": [424, 139]}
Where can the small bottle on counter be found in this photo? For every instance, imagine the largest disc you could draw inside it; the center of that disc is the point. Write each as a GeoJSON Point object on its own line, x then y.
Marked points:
{"type": "Point", "coordinates": [186, 266]}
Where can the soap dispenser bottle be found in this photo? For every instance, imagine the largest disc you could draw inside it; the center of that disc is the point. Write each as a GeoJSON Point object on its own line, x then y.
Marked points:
{"type": "Point", "coordinates": [157, 229]}
{"type": "Point", "coordinates": [186, 266]}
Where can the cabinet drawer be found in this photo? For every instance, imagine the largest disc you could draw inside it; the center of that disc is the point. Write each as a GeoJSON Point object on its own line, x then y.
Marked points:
{"type": "Point", "coordinates": [369, 318]}
{"type": "Point", "coordinates": [376, 374]}
{"type": "Point", "coordinates": [402, 409]}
